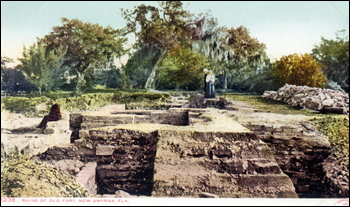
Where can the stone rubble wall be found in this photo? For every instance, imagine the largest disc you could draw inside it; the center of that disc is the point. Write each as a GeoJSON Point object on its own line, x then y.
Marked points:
{"type": "Point", "coordinates": [300, 151]}
{"type": "Point", "coordinates": [337, 176]}
{"type": "Point", "coordinates": [120, 159]}
{"type": "Point", "coordinates": [217, 164]}
{"type": "Point", "coordinates": [323, 100]}
{"type": "Point", "coordinates": [80, 121]}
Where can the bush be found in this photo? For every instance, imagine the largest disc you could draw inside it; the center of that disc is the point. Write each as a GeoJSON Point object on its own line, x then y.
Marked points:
{"type": "Point", "coordinates": [23, 105]}
{"type": "Point", "coordinates": [299, 70]}
{"type": "Point", "coordinates": [85, 101]}
{"type": "Point", "coordinates": [27, 106]}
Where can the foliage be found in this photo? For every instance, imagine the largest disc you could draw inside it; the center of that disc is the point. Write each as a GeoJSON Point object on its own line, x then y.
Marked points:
{"type": "Point", "coordinates": [85, 101]}
{"type": "Point", "coordinates": [334, 55]}
{"type": "Point", "coordinates": [140, 65]}
{"type": "Point", "coordinates": [114, 78]}
{"type": "Point", "coordinates": [239, 59]}
{"type": "Point", "coordinates": [41, 66]}
{"type": "Point", "coordinates": [246, 49]}
{"type": "Point", "coordinates": [87, 46]}
{"type": "Point", "coordinates": [25, 177]}
{"type": "Point", "coordinates": [167, 28]}
{"type": "Point", "coordinates": [182, 70]}
{"type": "Point", "coordinates": [93, 100]}
{"type": "Point", "coordinates": [23, 105]}
{"type": "Point", "coordinates": [337, 131]}
{"type": "Point", "coordinates": [88, 101]}
{"type": "Point", "coordinates": [299, 70]}
{"type": "Point", "coordinates": [4, 60]}
{"type": "Point", "coordinates": [252, 79]}
{"type": "Point", "coordinates": [13, 80]}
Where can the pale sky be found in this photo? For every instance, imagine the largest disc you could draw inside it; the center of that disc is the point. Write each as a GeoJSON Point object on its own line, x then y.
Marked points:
{"type": "Point", "coordinates": [286, 27]}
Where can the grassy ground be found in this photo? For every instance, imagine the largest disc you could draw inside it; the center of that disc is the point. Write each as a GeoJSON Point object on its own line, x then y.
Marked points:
{"type": "Point", "coordinates": [269, 105]}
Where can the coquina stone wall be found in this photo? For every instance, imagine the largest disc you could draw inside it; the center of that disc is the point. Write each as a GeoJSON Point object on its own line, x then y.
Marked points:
{"type": "Point", "coordinates": [300, 151]}
{"type": "Point", "coordinates": [323, 100]}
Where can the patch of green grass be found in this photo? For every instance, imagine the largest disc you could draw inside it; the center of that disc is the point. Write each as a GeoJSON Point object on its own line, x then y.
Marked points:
{"type": "Point", "coordinates": [269, 105]}
{"type": "Point", "coordinates": [336, 128]}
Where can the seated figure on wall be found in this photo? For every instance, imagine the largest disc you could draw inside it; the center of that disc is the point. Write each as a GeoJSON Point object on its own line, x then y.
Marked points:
{"type": "Point", "coordinates": [54, 115]}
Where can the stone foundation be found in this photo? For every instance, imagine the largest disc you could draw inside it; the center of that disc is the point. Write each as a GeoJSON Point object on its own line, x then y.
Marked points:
{"type": "Point", "coordinates": [300, 151]}
{"type": "Point", "coordinates": [203, 153]}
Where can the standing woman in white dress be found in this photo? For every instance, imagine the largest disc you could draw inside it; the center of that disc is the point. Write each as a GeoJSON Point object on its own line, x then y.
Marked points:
{"type": "Point", "coordinates": [210, 89]}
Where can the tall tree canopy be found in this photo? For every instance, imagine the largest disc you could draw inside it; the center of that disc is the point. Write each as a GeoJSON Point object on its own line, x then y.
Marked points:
{"type": "Point", "coordinates": [233, 52]}
{"type": "Point", "coordinates": [41, 66]}
{"type": "Point", "coordinates": [334, 56]}
{"type": "Point", "coordinates": [167, 28]}
{"type": "Point", "coordinates": [87, 46]}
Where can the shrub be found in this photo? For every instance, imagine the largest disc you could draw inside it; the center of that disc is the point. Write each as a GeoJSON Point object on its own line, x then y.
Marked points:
{"type": "Point", "coordinates": [299, 70]}
{"type": "Point", "coordinates": [23, 105]}
{"type": "Point", "coordinates": [27, 106]}
{"type": "Point", "coordinates": [85, 101]}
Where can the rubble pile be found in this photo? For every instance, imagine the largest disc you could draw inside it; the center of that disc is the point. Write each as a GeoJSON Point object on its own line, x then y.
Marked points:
{"type": "Point", "coordinates": [323, 100]}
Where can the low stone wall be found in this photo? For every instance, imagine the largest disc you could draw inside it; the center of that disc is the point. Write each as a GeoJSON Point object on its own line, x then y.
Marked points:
{"type": "Point", "coordinates": [337, 176]}
{"type": "Point", "coordinates": [300, 151]}
{"type": "Point", "coordinates": [85, 121]}
{"type": "Point", "coordinates": [323, 100]}
{"type": "Point", "coordinates": [34, 141]}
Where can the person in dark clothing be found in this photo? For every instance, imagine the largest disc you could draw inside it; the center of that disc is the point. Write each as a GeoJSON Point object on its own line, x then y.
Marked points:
{"type": "Point", "coordinates": [205, 77]}
{"type": "Point", "coordinates": [54, 115]}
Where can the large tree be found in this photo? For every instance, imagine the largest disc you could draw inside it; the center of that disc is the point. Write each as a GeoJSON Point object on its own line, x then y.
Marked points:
{"type": "Point", "coordinates": [40, 65]}
{"type": "Point", "coordinates": [184, 70]}
{"type": "Point", "coordinates": [167, 28]}
{"type": "Point", "coordinates": [248, 64]}
{"type": "Point", "coordinates": [334, 56]}
{"type": "Point", "coordinates": [232, 52]}
{"type": "Point", "coordinates": [13, 80]}
{"type": "Point", "coordinates": [87, 46]}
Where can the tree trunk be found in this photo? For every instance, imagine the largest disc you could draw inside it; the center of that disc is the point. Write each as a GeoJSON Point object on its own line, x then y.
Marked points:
{"type": "Point", "coordinates": [150, 81]}
{"type": "Point", "coordinates": [80, 83]}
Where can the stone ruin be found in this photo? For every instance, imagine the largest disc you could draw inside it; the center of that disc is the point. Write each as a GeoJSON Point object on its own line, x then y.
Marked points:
{"type": "Point", "coordinates": [193, 152]}
{"type": "Point", "coordinates": [196, 148]}
{"type": "Point", "coordinates": [176, 152]}
{"type": "Point", "coordinates": [323, 100]}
